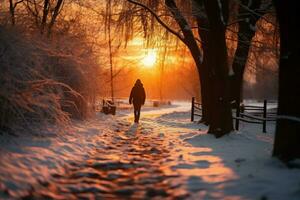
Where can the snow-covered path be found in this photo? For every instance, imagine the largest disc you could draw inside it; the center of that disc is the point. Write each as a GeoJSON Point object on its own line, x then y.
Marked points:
{"type": "Point", "coordinates": [164, 157]}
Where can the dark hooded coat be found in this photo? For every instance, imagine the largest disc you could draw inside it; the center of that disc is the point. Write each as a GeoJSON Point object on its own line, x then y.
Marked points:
{"type": "Point", "coordinates": [137, 95]}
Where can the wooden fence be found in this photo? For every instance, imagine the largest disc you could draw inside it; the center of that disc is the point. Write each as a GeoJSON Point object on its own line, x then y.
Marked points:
{"type": "Point", "coordinates": [245, 113]}
{"type": "Point", "coordinates": [196, 109]}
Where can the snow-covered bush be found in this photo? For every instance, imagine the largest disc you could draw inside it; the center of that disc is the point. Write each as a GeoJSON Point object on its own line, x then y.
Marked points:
{"type": "Point", "coordinates": [41, 82]}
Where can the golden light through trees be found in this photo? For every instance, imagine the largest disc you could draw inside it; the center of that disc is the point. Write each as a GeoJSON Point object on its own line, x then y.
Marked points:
{"type": "Point", "coordinates": [150, 59]}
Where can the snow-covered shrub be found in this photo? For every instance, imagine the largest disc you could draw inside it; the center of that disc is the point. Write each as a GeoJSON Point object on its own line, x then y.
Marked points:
{"type": "Point", "coordinates": [75, 65]}
{"type": "Point", "coordinates": [41, 83]}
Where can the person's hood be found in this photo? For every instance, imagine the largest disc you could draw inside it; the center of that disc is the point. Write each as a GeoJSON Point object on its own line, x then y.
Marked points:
{"type": "Point", "coordinates": [138, 84]}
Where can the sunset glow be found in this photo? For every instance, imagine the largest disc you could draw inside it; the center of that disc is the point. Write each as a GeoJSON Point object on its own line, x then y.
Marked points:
{"type": "Point", "coordinates": [148, 99]}
{"type": "Point", "coordinates": [149, 59]}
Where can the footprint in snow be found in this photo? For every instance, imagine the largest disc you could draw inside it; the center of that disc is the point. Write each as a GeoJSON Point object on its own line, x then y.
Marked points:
{"type": "Point", "coordinates": [240, 160]}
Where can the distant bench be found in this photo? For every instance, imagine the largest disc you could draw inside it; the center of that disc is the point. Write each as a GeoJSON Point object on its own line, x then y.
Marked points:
{"type": "Point", "coordinates": [157, 103]}
{"type": "Point", "coordinates": [108, 107]}
{"type": "Point", "coordinates": [245, 113]}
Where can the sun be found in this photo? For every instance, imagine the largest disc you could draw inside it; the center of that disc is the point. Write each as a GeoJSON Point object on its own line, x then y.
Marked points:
{"type": "Point", "coordinates": [149, 59]}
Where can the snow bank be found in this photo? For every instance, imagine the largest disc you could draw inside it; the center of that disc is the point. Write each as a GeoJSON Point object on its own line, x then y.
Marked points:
{"type": "Point", "coordinates": [165, 155]}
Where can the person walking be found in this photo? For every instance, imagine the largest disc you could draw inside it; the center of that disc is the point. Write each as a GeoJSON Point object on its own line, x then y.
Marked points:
{"type": "Point", "coordinates": [137, 97]}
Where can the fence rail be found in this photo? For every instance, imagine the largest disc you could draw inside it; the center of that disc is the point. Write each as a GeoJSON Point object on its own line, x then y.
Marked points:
{"type": "Point", "coordinates": [245, 113]}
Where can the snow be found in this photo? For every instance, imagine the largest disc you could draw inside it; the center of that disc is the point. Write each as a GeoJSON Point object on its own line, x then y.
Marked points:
{"type": "Point", "coordinates": [221, 11]}
{"type": "Point", "coordinates": [230, 72]}
{"type": "Point", "coordinates": [165, 155]}
{"type": "Point", "coordinates": [187, 27]}
{"type": "Point", "coordinates": [288, 117]}
{"type": "Point", "coordinates": [252, 27]}
{"type": "Point", "coordinates": [201, 58]}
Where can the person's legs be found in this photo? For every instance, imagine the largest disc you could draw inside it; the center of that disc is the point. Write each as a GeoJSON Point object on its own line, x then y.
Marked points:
{"type": "Point", "coordinates": [135, 112]}
{"type": "Point", "coordinates": [137, 109]}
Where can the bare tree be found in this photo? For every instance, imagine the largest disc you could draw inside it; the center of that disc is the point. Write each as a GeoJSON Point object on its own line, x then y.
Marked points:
{"type": "Point", "coordinates": [248, 15]}
{"type": "Point", "coordinates": [54, 14]}
{"type": "Point", "coordinates": [45, 13]}
{"type": "Point", "coordinates": [46, 8]}
{"type": "Point", "coordinates": [12, 6]}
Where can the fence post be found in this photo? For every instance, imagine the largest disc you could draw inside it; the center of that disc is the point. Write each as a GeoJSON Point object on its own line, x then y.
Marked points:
{"type": "Point", "coordinates": [265, 117]}
{"type": "Point", "coordinates": [193, 105]}
{"type": "Point", "coordinates": [237, 121]}
{"type": "Point", "coordinates": [242, 110]}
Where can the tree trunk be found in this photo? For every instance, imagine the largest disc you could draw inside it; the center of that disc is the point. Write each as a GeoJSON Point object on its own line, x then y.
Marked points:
{"type": "Point", "coordinates": [287, 138]}
{"type": "Point", "coordinates": [12, 12]}
{"type": "Point", "coordinates": [206, 90]}
{"type": "Point", "coordinates": [245, 35]}
{"type": "Point", "coordinates": [221, 121]}
{"type": "Point", "coordinates": [54, 15]}
{"type": "Point", "coordinates": [45, 15]}
{"type": "Point", "coordinates": [110, 50]}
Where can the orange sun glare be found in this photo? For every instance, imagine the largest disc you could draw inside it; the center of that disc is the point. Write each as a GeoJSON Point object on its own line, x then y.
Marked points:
{"type": "Point", "coordinates": [149, 59]}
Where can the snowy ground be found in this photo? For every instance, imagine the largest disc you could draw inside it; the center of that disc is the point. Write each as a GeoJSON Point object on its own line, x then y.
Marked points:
{"type": "Point", "coordinates": [164, 157]}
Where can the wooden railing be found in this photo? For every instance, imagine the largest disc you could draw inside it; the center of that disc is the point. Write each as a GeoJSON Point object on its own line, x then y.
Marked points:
{"type": "Point", "coordinates": [196, 109]}
{"type": "Point", "coordinates": [245, 113]}
{"type": "Point", "coordinates": [254, 114]}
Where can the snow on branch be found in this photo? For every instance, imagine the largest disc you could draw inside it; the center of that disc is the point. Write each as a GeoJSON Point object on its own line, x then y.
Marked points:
{"type": "Point", "coordinates": [221, 13]}
{"type": "Point", "coordinates": [291, 118]}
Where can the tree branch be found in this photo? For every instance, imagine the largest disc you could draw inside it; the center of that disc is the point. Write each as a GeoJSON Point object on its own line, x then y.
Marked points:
{"type": "Point", "coordinates": [257, 14]}
{"type": "Point", "coordinates": [158, 19]}
{"type": "Point", "coordinates": [15, 5]}
{"type": "Point", "coordinates": [186, 29]}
